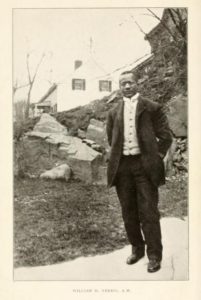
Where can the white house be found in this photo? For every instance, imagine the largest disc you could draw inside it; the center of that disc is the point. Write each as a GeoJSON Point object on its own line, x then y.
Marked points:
{"type": "Point", "coordinates": [87, 82]}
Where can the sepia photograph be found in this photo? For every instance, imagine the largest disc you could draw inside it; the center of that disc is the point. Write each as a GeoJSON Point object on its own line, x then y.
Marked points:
{"type": "Point", "coordinates": [100, 144]}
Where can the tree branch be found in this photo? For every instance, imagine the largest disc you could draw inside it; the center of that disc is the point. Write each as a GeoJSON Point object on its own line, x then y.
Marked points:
{"type": "Point", "coordinates": [37, 67]}
{"type": "Point", "coordinates": [31, 82]}
{"type": "Point", "coordinates": [16, 87]}
{"type": "Point", "coordinates": [163, 23]}
{"type": "Point", "coordinates": [140, 28]}
{"type": "Point", "coordinates": [28, 70]}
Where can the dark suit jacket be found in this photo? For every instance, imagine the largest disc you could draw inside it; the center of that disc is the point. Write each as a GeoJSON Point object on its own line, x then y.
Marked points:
{"type": "Point", "coordinates": [154, 138]}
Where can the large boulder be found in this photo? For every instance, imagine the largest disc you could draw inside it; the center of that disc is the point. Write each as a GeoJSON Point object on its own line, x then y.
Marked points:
{"type": "Point", "coordinates": [83, 160]}
{"type": "Point", "coordinates": [96, 131]}
{"type": "Point", "coordinates": [60, 172]}
{"type": "Point", "coordinates": [48, 124]}
{"type": "Point", "coordinates": [177, 116]}
{"type": "Point", "coordinates": [35, 155]}
{"type": "Point", "coordinates": [42, 151]}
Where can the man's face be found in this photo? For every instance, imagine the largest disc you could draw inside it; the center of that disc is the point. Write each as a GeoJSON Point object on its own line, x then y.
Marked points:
{"type": "Point", "coordinates": [128, 85]}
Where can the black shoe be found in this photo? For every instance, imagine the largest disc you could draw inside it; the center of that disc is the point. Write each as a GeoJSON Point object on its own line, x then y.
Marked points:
{"type": "Point", "coordinates": [137, 254]}
{"type": "Point", "coordinates": [153, 265]}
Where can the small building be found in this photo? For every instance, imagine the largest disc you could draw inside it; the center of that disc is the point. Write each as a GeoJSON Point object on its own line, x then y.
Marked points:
{"type": "Point", "coordinates": [48, 103]}
{"type": "Point", "coordinates": [163, 33]}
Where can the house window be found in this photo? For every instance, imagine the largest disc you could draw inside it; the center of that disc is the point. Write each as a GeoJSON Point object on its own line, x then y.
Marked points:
{"type": "Point", "coordinates": [105, 86]}
{"type": "Point", "coordinates": [78, 84]}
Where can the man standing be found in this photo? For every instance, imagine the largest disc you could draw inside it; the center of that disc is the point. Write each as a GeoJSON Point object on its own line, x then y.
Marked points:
{"type": "Point", "coordinates": [139, 136]}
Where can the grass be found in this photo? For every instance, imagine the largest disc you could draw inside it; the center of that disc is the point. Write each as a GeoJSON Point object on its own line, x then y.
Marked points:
{"type": "Point", "coordinates": [55, 221]}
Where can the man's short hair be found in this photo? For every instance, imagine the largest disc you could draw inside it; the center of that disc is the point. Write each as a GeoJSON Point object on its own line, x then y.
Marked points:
{"type": "Point", "coordinates": [128, 72]}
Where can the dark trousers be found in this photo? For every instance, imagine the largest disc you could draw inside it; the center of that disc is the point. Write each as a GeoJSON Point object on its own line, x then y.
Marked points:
{"type": "Point", "coordinates": [139, 203]}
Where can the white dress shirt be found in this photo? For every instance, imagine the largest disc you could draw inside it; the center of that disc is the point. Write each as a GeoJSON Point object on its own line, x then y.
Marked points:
{"type": "Point", "coordinates": [130, 145]}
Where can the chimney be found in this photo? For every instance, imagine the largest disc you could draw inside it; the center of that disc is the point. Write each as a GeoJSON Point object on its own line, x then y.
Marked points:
{"type": "Point", "coordinates": [77, 64]}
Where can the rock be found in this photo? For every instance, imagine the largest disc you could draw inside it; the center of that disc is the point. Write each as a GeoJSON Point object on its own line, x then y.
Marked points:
{"type": "Point", "coordinates": [43, 150]}
{"type": "Point", "coordinates": [181, 167]}
{"type": "Point", "coordinates": [177, 116]}
{"type": "Point", "coordinates": [48, 124]}
{"type": "Point", "coordinates": [177, 157]}
{"type": "Point", "coordinates": [38, 134]}
{"type": "Point", "coordinates": [81, 134]}
{"type": "Point", "coordinates": [169, 71]}
{"type": "Point", "coordinates": [102, 176]}
{"type": "Point", "coordinates": [89, 142]}
{"type": "Point", "coordinates": [83, 160]}
{"type": "Point", "coordinates": [35, 155]}
{"type": "Point", "coordinates": [61, 172]}
{"type": "Point", "coordinates": [96, 131]}
{"type": "Point", "coordinates": [185, 156]}
{"type": "Point", "coordinates": [182, 147]}
{"type": "Point", "coordinates": [97, 123]}
{"type": "Point", "coordinates": [97, 147]}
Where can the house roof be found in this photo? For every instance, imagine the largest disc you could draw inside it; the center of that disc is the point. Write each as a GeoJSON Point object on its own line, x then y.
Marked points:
{"type": "Point", "coordinates": [49, 92]}
{"type": "Point", "coordinates": [90, 69]}
{"type": "Point", "coordinates": [164, 18]}
{"type": "Point", "coordinates": [44, 104]}
{"type": "Point", "coordinates": [143, 63]}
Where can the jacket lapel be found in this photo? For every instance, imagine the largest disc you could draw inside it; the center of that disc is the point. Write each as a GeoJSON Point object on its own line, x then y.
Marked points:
{"type": "Point", "coordinates": [120, 111]}
{"type": "Point", "coordinates": [140, 108]}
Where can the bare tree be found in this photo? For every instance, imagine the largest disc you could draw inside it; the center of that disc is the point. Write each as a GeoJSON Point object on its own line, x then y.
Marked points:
{"type": "Point", "coordinates": [17, 87]}
{"type": "Point", "coordinates": [31, 80]}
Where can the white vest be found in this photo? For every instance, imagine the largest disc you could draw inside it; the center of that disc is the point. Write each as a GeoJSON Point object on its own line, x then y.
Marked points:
{"type": "Point", "coordinates": [130, 145]}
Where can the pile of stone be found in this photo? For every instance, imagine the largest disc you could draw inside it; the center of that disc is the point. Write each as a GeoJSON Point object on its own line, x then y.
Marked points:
{"type": "Point", "coordinates": [176, 160]}
{"type": "Point", "coordinates": [48, 151]}
{"type": "Point", "coordinates": [180, 156]}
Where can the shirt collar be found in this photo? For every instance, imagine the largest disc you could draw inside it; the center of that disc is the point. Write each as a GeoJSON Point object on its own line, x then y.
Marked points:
{"type": "Point", "coordinates": [132, 99]}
